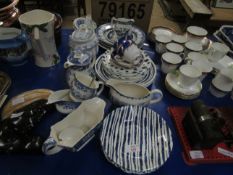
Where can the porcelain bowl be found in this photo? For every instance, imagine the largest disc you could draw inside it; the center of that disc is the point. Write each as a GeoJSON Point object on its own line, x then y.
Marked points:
{"type": "Point", "coordinates": [14, 46]}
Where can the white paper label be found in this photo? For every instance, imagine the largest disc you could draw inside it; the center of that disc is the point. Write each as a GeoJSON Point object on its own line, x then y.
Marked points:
{"type": "Point", "coordinates": [225, 152]}
{"type": "Point", "coordinates": [132, 148]}
{"type": "Point", "coordinates": [196, 154]}
{"type": "Point", "coordinates": [18, 100]}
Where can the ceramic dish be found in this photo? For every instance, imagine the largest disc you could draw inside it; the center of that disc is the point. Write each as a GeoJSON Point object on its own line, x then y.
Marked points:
{"type": "Point", "coordinates": [107, 37]}
{"type": "Point", "coordinates": [24, 99]}
{"type": "Point", "coordinates": [145, 81]}
{"type": "Point", "coordinates": [160, 31]}
{"type": "Point", "coordinates": [110, 66]}
{"type": "Point", "coordinates": [171, 83]}
{"type": "Point", "coordinates": [227, 33]}
{"type": "Point", "coordinates": [141, 141]}
{"type": "Point", "coordinates": [66, 107]}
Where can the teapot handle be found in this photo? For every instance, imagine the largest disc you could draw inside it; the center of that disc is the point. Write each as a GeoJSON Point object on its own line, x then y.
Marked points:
{"type": "Point", "coordinates": [50, 147]}
{"type": "Point", "coordinates": [156, 100]}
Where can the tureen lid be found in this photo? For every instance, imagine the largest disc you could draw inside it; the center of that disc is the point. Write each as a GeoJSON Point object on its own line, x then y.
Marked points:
{"type": "Point", "coordinates": [83, 34]}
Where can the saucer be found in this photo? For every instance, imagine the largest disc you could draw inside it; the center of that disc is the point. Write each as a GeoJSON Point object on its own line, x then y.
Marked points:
{"type": "Point", "coordinates": [141, 142]}
{"type": "Point", "coordinates": [171, 83]}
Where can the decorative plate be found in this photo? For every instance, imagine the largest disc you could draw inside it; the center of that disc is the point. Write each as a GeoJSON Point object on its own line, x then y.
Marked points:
{"type": "Point", "coordinates": [145, 80]}
{"type": "Point", "coordinates": [136, 139]}
{"type": "Point", "coordinates": [107, 37]}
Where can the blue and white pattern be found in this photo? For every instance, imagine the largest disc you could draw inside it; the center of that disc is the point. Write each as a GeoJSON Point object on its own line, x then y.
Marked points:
{"type": "Point", "coordinates": [136, 139]}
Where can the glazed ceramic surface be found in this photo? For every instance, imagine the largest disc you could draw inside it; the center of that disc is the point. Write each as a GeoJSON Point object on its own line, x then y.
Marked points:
{"type": "Point", "coordinates": [85, 87]}
{"type": "Point", "coordinates": [227, 35]}
{"type": "Point", "coordinates": [144, 80]}
{"type": "Point", "coordinates": [217, 51]}
{"type": "Point", "coordinates": [160, 31]}
{"type": "Point", "coordinates": [192, 46]}
{"type": "Point", "coordinates": [77, 129]}
{"type": "Point", "coordinates": [170, 62]}
{"type": "Point", "coordinates": [180, 39]}
{"type": "Point", "coordinates": [175, 48]}
{"type": "Point", "coordinates": [106, 36]}
{"type": "Point", "coordinates": [14, 46]}
{"type": "Point", "coordinates": [66, 107]}
{"type": "Point", "coordinates": [174, 87]}
{"type": "Point", "coordinates": [217, 92]}
{"type": "Point", "coordinates": [79, 22]}
{"type": "Point", "coordinates": [160, 43]}
{"type": "Point", "coordinates": [123, 93]}
{"type": "Point", "coordinates": [84, 38]}
{"type": "Point", "coordinates": [39, 25]}
{"type": "Point", "coordinates": [141, 141]}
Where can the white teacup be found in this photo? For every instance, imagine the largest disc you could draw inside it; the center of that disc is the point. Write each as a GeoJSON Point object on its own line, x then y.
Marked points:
{"type": "Point", "coordinates": [180, 39]}
{"type": "Point", "coordinates": [204, 66]}
{"type": "Point", "coordinates": [188, 75]}
{"type": "Point", "coordinates": [132, 54]}
{"type": "Point", "coordinates": [192, 46]}
{"type": "Point", "coordinates": [195, 56]}
{"type": "Point", "coordinates": [196, 33]}
{"type": "Point", "coordinates": [175, 48]}
{"type": "Point", "coordinates": [224, 80]}
{"type": "Point", "coordinates": [160, 43]}
{"type": "Point", "coordinates": [217, 51]}
{"type": "Point", "coordinates": [170, 62]}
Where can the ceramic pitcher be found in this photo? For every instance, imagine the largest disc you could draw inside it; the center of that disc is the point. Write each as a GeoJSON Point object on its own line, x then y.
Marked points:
{"type": "Point", "coordinates": [39, 25]}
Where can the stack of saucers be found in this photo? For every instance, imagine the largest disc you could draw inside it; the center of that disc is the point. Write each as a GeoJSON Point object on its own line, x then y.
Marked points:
{"type": "Point", "coordinates": [143, 73]}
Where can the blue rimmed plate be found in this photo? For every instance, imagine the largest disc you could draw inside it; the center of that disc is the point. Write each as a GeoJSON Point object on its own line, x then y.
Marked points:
{"type": "Point", "coordinates": [106, 37]}
{"type": "Point", "coordinates": [136, 139]}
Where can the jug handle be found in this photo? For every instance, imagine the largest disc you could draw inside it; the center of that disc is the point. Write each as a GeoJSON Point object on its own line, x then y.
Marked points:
{"type": "Point", "coordinates": [36, 31]}
{"type": "Point", "coordinates": [50, 147]}
{"type": "Point", "coordinates": [156, 91]}
{"type": "Point", "coordinates": [101, 88]}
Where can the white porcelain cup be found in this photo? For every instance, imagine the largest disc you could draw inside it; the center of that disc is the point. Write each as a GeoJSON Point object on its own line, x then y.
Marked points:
{"type": "Point", "coordinates": [160, 43]}
{"type": "Point", "coordinates": [217, 51]}
{"type": "Point", "coordinates": [192, 46]}
{"type": "Point", "coordinates": [175, 48]}
{"type": "Point", "coordinates": [196, 33]}
{"type": "Point", "coordinates": [188, 75]}
{"type": "Point", "coordinates": [224, 80]}
{"type": "Point", "coordinates": [204, 66]}
{"type": "Point", "coordinates": [170, 62]}
{"type": "Point", "coordinates": [195, 56]}
{"type": "Point", "coordinates": [180, 39]}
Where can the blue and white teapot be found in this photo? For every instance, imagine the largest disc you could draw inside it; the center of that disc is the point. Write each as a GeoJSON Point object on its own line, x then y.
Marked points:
{"type": "Point", "coordinates": [14, 46]}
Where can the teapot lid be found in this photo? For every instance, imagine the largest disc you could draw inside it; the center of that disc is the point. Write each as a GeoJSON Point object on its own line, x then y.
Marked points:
{"type": "Point", "coordinates": [83, 34]}
{"type": "Point", "coordinates": [79, 58]}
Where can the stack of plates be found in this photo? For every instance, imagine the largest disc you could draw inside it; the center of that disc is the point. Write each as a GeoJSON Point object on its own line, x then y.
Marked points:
{"type": "Point", "coordinates": [107, 36]}
{"type": "Point", "coordinates": [144, 74]}
{"type": "Point", "coordinates": [136, 139]}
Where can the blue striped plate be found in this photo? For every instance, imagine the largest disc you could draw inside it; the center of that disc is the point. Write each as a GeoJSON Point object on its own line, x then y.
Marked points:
{"type": "Point", "coordinates": [136, 139]}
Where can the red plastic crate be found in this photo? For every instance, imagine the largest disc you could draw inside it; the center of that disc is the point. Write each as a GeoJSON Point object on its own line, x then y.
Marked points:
{"type": "Point", "coordinates": [210, 155]}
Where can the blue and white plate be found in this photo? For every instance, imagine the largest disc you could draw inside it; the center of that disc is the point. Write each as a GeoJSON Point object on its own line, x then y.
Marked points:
{"type": "Point", "coordinates": [106, 36]}
{"type": "Point", "coordinates": [146, 79]}
{"type": "Point", "coordinates": [136, 139]}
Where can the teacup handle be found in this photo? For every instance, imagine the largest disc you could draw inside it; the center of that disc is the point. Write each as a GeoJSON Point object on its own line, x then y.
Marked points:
{"type": "Point", "coordinates": [156, 91]}
{"type": "Point", "coordinates": [36, 33]}
{"type": "Point", "coordinates": [50, 147]}
{"type": "Point", "coordinates": [101, 88]}
{"type": "Point", "coordinates": [67, 64]}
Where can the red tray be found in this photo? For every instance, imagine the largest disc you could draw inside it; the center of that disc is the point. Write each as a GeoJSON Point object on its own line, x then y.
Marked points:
{"type": "Point", "coordinates": [219, 154]}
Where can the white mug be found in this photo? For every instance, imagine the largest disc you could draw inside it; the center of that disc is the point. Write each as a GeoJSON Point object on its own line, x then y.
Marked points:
{"type": "Point", "coordinates": [195, 56]}
{"type": "Point", "coordinates": [170, 62]}
{"type": "Point", "coordinates": [188, 75]}
{"type": "Point", "coordinates": [160, 43]}
{"type": "Point", "coordinates": [204, 66]}
{"type": "Point", "coordinates": [175, 48]}
{"type": "Point", "coordinates": [217, 51]}
{"type": "Point", "coordinates": [224, 80]}
{"type": "Point", "coordinates": [192, 46]}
